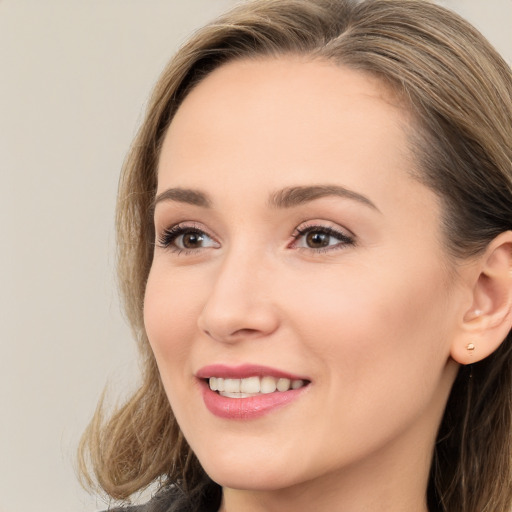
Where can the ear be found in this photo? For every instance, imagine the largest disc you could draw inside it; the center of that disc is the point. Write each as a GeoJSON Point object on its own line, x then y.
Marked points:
{"type": "Point", "coordinates": [488, 321]}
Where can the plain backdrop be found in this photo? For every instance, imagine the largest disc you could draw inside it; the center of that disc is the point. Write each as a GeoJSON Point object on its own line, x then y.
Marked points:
{"type": "Point", "coordinates": [74, 79]}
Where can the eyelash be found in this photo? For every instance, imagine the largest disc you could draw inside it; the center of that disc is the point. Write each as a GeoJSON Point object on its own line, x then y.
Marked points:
{"type": "Point", "coordinates": [169, 236]}
{"type": "Point", "coordinates": [343, 238]}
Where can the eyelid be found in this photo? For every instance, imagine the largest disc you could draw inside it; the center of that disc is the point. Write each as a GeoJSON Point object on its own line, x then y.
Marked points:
{"type": "Point", "coordinates": [168, 235]}
{"type": "Point", "coordinates": [344, 236]}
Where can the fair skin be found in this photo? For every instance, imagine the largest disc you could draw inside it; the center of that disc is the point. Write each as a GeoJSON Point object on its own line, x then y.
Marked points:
{"type": "Point", "coordinates": [347, 286]}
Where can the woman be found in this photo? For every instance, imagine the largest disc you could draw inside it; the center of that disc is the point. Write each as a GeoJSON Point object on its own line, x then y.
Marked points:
{"type": "Point", "coordinates": [315, 250]}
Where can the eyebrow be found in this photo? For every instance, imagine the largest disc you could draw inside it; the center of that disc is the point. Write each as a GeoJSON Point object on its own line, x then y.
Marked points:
{"type": "Point", "coordinates": [294, 196]}
{"type": "Point", "coordinates": [285, 198]}
{"type": "Point", "coordinates": [183, 195]}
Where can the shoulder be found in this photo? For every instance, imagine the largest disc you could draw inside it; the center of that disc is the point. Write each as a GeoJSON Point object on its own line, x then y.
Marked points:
{"type": "Point", "coordinates": [167, 500]}
{"type": "Point", "coordinates": [174, 499]}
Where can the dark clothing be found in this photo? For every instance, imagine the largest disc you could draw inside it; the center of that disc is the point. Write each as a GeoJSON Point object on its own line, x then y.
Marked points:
{"type": "Point", "coordinates": [174, 499]}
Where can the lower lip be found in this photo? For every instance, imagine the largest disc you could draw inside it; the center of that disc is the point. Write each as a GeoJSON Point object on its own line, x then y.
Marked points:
{"type": "Point", "coordinates": [250, 407]}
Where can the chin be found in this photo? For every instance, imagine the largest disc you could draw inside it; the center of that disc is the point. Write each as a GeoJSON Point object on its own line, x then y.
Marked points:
{"type": "Point", "coordinates": [263, 480]}
{"type": "Point", "coordinates": [247, 474]}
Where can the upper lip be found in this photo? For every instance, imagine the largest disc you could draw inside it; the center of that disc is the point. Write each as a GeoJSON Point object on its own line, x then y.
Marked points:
{"type": "Point", "coordinates": [244, 371]}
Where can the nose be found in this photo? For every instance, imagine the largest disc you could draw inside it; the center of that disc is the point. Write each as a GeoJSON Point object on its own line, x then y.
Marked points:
{"type": "Point", "coordinates": [239, 305]}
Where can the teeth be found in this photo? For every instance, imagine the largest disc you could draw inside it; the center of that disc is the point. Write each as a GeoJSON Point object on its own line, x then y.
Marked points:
{"type": "Point", "coordinates": [268, 385]}
{"type": "Point", "coordinates": [296, 384]}
{"type": "Point", "coordinates": [238, 395]}
{"type": "Point", "coordinates": [232, 385]}
{"type": "Point", "coordinates": [283, 384]}
{"type": "Point", "coordinates": [250, 385]}
{"type": "Point", "coordinates": [243, 388]}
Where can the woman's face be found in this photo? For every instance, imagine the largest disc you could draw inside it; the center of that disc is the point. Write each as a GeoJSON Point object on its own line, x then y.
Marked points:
{"type": "Point", "coordinates": [294, 249]}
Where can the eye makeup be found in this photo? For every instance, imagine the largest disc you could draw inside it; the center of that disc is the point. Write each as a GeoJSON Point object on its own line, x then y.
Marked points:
{"type": "Point", "coordinates": [314, 237]}
{"type": "Point", "coordinates": [187, 238]}
{"type": "Point", "coordinates": [321, 238]}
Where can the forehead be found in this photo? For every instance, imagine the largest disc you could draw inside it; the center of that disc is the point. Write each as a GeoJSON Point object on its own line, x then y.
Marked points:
{"type": "Point", "coordinates": [281, 91]}
{"type": "Point", "coordinates": [269, 121]}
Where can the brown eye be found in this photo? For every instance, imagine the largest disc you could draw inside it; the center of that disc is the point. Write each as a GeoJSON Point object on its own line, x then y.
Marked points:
{"type": "Point", "coordinates": [321, 238]}
{"type": "Point", "coordinates": [192, 240]}
{"type": "Point", "coordinates": [182, 238]}
{"type": "Point", "coordinates": [317, 239]}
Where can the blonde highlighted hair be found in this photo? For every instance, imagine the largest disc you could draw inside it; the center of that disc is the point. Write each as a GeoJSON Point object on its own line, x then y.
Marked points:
{"type": "Point", "coordinates": [459, 91]}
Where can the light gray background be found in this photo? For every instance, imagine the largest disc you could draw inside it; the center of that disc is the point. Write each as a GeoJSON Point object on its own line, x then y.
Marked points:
{"type": "Point", "coordinates": [74, 78]}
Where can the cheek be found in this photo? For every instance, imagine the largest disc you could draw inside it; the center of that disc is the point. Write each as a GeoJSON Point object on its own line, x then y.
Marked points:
{"type": "Point", "coordinates": [379, 347]}
{"type": "Point", "coordinates": [171, 310]}
{"type": "Point", "coordinates": [374, 324]}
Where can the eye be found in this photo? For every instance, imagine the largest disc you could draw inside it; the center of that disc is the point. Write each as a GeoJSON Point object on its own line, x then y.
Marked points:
{"type": "Point", "coordinates": [321, 238]}
{"type": "Point", "coordinates": [181, 238]}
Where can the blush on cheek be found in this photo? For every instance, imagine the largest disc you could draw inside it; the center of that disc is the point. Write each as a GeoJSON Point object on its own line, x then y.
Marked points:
{"type": "Point", "coordinates": [170, 319]}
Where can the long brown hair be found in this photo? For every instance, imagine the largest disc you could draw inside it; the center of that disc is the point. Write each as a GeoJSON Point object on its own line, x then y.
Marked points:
{"type": "Point", "coordinates": [460, 92]}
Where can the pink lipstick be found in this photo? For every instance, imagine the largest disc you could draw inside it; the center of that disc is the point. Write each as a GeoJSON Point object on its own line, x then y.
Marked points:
{"type": "Point", "coordinates": [248, 391]}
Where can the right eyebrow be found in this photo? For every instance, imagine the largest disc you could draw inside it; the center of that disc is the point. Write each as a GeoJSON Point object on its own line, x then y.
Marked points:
{"type": "Point", "coordinates": [295, 196]}
{"type": "Point", "coordinates": [183, 195]}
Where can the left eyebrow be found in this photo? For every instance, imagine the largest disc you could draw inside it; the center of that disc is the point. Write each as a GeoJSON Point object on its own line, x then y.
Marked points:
{"type": "Point", "coordinates": [295, 196]}
{"type": "Point", "coordinates": [183, 195]}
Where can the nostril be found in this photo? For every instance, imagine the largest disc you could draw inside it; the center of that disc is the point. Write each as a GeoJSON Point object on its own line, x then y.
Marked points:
{"type": "Point", "coordinates": [245, 332]}
{"type": "Point", "coordinates": [237, 320]}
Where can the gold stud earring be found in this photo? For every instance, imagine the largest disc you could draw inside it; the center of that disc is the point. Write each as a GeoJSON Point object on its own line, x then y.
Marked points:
{"type": "Point", "coordinates": [471, 347]}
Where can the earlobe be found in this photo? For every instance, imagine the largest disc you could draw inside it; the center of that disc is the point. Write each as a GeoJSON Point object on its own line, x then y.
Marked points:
{"type": "Point", "coordinates": [489, 319]}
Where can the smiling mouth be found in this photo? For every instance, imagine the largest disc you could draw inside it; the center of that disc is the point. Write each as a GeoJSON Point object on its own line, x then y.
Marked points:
{"type": "Point", "coordinates": [253, 386]}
